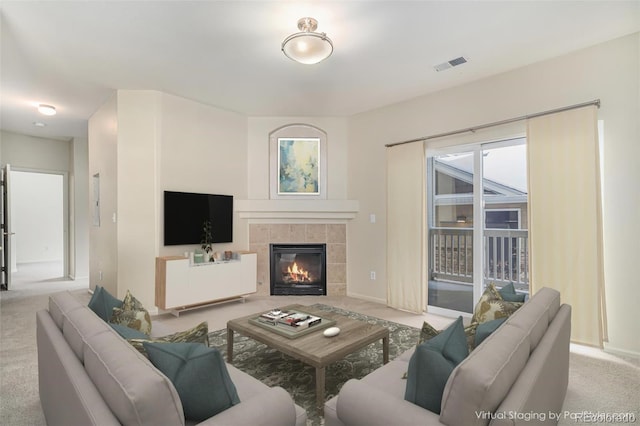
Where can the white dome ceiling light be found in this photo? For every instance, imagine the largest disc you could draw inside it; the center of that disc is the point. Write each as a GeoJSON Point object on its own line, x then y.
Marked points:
{"type": "Point", "coordinates": [307, 46]}
{"type": "Point", "coordinates": [46, 109]}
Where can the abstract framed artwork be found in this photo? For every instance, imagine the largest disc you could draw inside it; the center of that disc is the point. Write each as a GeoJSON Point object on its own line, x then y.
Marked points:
{"type": "Point", "coordinates": [298, 154]}
{"type": "Point", "coordinates": [298, 166]}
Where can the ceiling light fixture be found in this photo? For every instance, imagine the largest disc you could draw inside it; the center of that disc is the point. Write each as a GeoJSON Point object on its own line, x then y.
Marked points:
{"type": "Point", "coordinates": [46, 109]}
{"type": "Point", "coordinates": [39, 124]}
{"type": "Point", "coordinates": [307, 46]}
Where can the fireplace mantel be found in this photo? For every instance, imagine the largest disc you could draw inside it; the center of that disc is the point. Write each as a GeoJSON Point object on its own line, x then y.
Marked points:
{"type": "Point", "coordinates": [297, 210]}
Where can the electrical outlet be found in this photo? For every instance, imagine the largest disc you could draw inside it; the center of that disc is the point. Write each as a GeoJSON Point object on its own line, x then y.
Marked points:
{"type": "Point", "coordinates": [100, 276]}
{"type": "Point", "coordinates": [372, 274]}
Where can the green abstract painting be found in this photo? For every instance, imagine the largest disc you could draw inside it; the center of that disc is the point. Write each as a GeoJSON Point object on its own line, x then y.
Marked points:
{"type": "Point", "coordinates": [298, 166]}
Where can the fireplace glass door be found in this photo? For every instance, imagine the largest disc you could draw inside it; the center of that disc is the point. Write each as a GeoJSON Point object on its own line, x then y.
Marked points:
{"type": "Point", "coordinates": [298, 269]}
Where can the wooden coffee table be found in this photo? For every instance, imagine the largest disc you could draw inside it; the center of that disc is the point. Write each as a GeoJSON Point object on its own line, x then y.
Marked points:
{"type": "Point", "coordinates": [314, 348]}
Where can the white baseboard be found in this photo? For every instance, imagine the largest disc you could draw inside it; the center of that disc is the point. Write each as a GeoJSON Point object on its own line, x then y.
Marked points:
{"type": "Point", "coordinates": [622, 352]}
{"type": "Point", "coordinates": [74, 278]}
{"type": "Point", "coordinates": [367, 298]}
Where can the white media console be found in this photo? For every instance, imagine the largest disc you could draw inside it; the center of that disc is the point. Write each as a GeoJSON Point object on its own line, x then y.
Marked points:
{"type": "Point", "coordinates": [181, 285]}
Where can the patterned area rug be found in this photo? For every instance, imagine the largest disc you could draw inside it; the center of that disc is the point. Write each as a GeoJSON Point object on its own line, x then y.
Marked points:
{"type": "Point", "coordinates": [276, 369]}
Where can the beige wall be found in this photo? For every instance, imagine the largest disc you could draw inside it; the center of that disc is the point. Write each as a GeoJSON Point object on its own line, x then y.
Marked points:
{"type": "Point", "coordinates": [578, 77]}
{"type": "Point", "coordinates": [79, 213]}
{"type": "Point", "coordinates": [141, 143]}
{"type": "Point", "coordinates": [103, 249]}
{"type": "Point", "coordinates": [203, 149]}
{"type": "Point", "coordinates": [138, 115]}
{"type": "Point", "coordinates": [30, 152]}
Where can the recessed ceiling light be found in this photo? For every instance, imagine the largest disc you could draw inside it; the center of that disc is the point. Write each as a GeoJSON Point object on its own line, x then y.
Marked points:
{"type": "Point", "coordinates": [39, 124]}
{"type": "Point", "coordinates": [47, 109]}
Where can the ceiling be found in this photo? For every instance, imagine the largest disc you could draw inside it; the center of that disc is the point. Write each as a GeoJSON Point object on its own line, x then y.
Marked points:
{"type": "Point", "coordinates": [75, 54]}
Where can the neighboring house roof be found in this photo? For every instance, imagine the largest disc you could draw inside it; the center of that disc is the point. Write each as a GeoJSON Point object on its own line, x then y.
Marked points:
{"type": "Point", "coordinates": [498, 192]}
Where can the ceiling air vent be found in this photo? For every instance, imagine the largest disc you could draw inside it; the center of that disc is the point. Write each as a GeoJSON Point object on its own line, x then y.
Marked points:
{"type": "Point", "coordinates": [450, 64]}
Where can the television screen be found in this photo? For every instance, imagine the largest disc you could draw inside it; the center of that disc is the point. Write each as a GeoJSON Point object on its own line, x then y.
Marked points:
{"type": "Point", "coordinates": [185, 214]}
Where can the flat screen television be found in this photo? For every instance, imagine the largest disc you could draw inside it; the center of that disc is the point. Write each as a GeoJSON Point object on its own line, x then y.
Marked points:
{"type": "Point", "coordinates": [185, 214]}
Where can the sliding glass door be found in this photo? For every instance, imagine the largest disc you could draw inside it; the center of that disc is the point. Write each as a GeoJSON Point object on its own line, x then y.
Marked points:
{"type": "Point", "coordinates": [477, 222]}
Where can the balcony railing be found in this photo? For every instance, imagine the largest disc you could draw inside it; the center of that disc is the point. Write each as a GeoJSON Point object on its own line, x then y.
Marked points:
{"type": "Point", "coordinates": [506, 256]}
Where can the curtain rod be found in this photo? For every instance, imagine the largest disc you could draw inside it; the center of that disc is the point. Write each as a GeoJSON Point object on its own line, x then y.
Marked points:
{"type": "Point", "coordinates": [595, 102]}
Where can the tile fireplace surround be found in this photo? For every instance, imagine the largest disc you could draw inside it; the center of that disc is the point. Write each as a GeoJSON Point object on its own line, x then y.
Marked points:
{"type": "Point", "coordinates": [332, 234]}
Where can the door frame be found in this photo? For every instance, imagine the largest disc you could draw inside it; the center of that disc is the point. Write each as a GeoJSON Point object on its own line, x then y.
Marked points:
{"type": "Point", "coordinates": [479, 208]}
{"type": "Point", "coordinates": [65, 211]}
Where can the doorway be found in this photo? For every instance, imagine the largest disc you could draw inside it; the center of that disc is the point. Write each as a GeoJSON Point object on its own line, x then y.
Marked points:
{"type": "Point", "coordinates": [38, 212]}
{"type": "Point", "coordinates": [477, 222]}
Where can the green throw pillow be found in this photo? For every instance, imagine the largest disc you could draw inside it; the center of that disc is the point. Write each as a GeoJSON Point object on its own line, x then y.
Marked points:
{"type": "Point", "coordinates": [486, 328]}
{"type": "Point", "coordinates": [508, 293]}
{"type": "Point", "coordinates": [127, 333]}
{"type": "Point", "coordinates": [432, 363]}
{"type": "Point", "coordinates": [197, 334]}
{"type": "Point", "coordinates": [491, 306]}
{"type": "Point", "coordinates": [199, 375]}
{"type": "Point", "coordinates": [132, 314]}
{"type": "Point", "coordinates": [103, 303]}
{"type": "Point", "coordinates": [428, 332]}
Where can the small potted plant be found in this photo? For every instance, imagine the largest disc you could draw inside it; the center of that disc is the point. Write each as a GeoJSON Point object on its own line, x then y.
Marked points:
{"type": "Point", "coordinates": [207, 240]}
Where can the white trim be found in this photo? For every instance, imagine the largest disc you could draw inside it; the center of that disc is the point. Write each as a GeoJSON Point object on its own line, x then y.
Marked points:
{"type": "Point", "coordinates": [449, 313]}
{"type": "Point", "coordinates": [623, 352]}
{"type": "Point", "coordinates": [304, 209]}
{"type": "Point", "coordinates": [367, 298]}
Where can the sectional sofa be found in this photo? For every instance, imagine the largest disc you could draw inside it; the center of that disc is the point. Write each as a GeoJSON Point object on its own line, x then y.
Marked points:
{"type": "Point", "coordinates": [89, 375]}
{"type": "Point", "coordinates": [516, 376]}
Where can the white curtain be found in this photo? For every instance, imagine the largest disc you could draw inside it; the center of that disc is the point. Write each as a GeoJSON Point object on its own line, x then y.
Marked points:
{"type": "Point", "coordinates": [406, 248]}
{"type": "Point", "coordinates": [565, 216]}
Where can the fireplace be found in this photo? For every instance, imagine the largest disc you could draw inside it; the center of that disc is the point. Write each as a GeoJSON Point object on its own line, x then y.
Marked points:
{"type": "Point", "coordinates": [298, 269]}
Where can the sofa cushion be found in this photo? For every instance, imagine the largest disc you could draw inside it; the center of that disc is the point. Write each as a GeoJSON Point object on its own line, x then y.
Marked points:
{"type": "Point", "coordinates": [483, 379]}
{"type": "Point", "coordinates": [136, 392]}
{"type": "Point", "coordinates": [549, 298]}
{"type": "Point", "coordinates": [534, 317]}
{"type": "Point", "coordinates": [102, 303]}
{"type": "Point", "coordinates": [61, 303]}
{"type": "Point", "coordinates": [199, 374]}
{"type": "Point", "coordinates": [486, 328]}
{"type": "Point", "coordinates": [132, 314]}
{"type": "Point", "coordinates": [77, 325]}
{"type": "Point", "coordinates": [508, 293]}
{"type": "Point", "coordinates": [431, 365]}
{"type": "Point", "coordinates": [197, 334]}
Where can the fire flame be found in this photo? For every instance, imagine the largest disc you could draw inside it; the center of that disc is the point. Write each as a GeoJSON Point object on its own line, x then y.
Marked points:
{"type": "Point", "coordinates": [298, 274]}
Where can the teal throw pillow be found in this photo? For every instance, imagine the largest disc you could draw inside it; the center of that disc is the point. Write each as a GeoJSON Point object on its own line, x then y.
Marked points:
{"type": "Point", "coordinates": [509, 294]}
{"type": "Point", "coordinates": [432, 363]}
{"type": "Point", "coordinates": [197, 334]}
{"type": "Point", "coordinates": [102, 303]}
{"type": "Point", "coordinates": [127, 332]}
{"type": "Point", "coordinates": [486, 328]}
{"type": "Point", "coordinates": [199, 375]}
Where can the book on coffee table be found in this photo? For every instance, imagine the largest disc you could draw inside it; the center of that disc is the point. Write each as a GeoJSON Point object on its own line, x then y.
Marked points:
{"type": "Point", "coordinates": [291, 324]}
